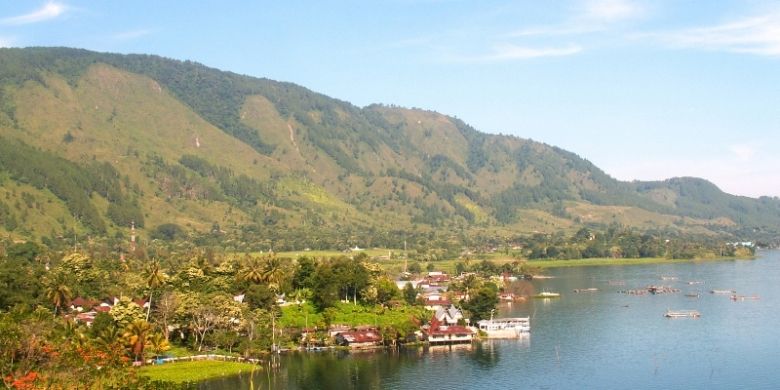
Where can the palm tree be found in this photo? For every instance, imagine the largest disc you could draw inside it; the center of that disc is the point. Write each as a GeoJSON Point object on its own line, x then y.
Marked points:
{"type": "Point", "coordinates": [109, 337]}
{"type": "Point", "coordinates": [273, 273]}
{"type": "Point", "coordinates": [470, 282]}
{"type": "Point", "coordinates": [301, 295]}
{"type": "Point", "coordinates": [136, 336]}
{"type": "Point", "coordinates": [158, 343]}
{"type": "Point", "coordinates": [155, 278]}
{"type": "Point", "coordinates": [58, 292]}
{"type": "Point", "coordinates": [251, 270]}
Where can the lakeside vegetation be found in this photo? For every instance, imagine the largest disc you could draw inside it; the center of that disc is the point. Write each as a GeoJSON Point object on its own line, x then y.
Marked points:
{"type": "Point", "coordinates": [103, 309]}
{"type": "Point", "coordinates": [192, 372]}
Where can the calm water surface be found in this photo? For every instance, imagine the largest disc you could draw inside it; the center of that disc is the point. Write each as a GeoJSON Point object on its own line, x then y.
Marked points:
{"type": "Point", "coordinates": [602, 340]}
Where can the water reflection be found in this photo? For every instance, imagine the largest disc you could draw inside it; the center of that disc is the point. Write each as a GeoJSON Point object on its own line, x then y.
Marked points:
{"type": "Point", "coordinates": [363, 370]}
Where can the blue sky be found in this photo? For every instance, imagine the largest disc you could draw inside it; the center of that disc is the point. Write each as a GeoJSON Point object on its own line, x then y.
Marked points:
{"type": "Point", "coordinates": [645, 90]}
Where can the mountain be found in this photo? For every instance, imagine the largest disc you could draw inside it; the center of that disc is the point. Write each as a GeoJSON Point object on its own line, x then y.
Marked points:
{"type": "Point", "coordinates": [91, 142]}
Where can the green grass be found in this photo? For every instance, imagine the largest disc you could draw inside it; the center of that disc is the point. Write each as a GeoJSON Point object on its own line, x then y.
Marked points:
{"type": "Point", "coordinates": [334, 253]}
{"type": "Point", "coordinates": [181, 372]}
{"type": "Point", "coordinates": [353, 315]}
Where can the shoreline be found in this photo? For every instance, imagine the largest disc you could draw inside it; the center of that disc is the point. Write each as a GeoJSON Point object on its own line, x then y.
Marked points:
{"type": "Point", "coordinates": [599, 262]}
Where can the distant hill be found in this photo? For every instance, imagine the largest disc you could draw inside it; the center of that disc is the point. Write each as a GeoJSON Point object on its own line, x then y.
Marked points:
{"type": "Point", "coordinates": [90, 142]}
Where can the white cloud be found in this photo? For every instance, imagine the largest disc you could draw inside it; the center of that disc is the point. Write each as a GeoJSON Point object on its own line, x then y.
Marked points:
{"type": "Point", "coordinates": [590, 16]}
{"type": "Point", "coordinates": [133, 34]}
{"type": "Point", "coordinates": [508, 52]}
{"type": "Point", "coordinates": [759, 35]}
{"type": "Point", "coordinates": [610, 11]}
{"type": "Point", "coordinates": [516, 52]}
{"type": "Point", "coordinates": [49, 11]}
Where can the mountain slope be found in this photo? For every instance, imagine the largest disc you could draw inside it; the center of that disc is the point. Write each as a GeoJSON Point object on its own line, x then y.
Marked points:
{"type": "Point", "coordinates": [178, 142]}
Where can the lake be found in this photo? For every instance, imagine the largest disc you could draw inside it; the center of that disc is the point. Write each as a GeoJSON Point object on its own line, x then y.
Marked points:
{"type": "Point", "coordinates": [601, 340]}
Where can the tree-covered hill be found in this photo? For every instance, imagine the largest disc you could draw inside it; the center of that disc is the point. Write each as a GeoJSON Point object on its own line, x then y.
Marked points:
{"type": "Point", "coordinates": [93, 141]}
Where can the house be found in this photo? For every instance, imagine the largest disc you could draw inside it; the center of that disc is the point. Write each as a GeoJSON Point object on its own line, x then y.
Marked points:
{"type": "Point", "coordinates": [356, 339]}
{"type": "Point", "coordinates": [449, 316]}
{"type": "Point", "coordinates": [437, 278]}
{"type": "Point", "coordinates": [441, 333]}
{"type": "Point", "coordinates": [336, 329]}
{"type": "Point", "coordinates": [82, 304]}
{"type": "Point", "coordinates": [436, 301]}
{"type": "Point", "coordinates": [142, 303]}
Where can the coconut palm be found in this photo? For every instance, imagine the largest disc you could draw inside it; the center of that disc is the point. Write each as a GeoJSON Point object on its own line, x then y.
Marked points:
{"type": "Point", "coordinates": [470, 282]}
{"type": "Point", "coordinates": [251, 270]}
{"type": "Point", "coordinates": [136, 336]}
{"type": "Point", "coordinates": [58, 293]}
{"type": "Point", "coordinates": [155, 278]}
{"type": "Point", "coordinates": [273, 273]}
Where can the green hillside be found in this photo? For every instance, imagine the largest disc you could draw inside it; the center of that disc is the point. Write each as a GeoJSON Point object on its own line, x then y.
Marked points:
{"type": "Point", "coordinates": [90, 142]}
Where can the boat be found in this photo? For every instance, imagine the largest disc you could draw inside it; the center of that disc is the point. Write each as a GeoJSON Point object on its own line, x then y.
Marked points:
{"type": "Point", "coordinates": [695, 282]}
{"type": "Point", "coordinates": [745, 297]}
{"type": "Point", "coordinates": [723, 292]}
{"type": "Point", "coordinates": [682, 314]}
{"type": "Point", "coordinates": [692, 295]}
{"type": "Point", "coordinates": [547, 294]}
{"type": "Point", "coordinates": [668, 278]}
{"type": "Point", "coordinates": [581, 290]}
{"type": "Point", "coordinates": [505, 328]}
{"type": "Point", "coordinates": [543, 277]}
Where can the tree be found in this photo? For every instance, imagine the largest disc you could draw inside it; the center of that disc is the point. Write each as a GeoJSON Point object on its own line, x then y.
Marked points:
{"type": "Point", "coordinates": [136, 336]}
{"type": "Point", "coordinates": [251, 270]}
{"type": "Point", "coordinates": [158, 343]}
{"type": "Point", "coordinates": [470, 282]}
{"type": "Point", "coordinates": [386, 289]}
{"type": "Point", "coordinates": [168, 232]}
{"type": "Point", "coordinates": [410, 294]}
{"type": "Point", "coordinates": [58, 292]}
{"type": "Point", "coordinates": [126, 312]}
{"type": "Point", "coordinates": [325, 292]}
{"type": "Point", "coordinates": [304, 273]}
{"type": "Point", "coordinates": [166, 310]}
{"type": "Point", "coordinates": [259, 296]}
{"type": "Point", "coordinates": [481, 304]}
{"type": "Point", "coordinates": [155, 278]}
{"type": "Point", "coordinates": [274, 273]}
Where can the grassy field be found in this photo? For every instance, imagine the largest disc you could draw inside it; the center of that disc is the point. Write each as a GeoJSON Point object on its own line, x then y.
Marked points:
{"type": "Point", "coordinates": [396, 265]}
{"type": "Point", "coordinates": [332, 253]}
{"type": "Point", "coordinates": [181, 372]}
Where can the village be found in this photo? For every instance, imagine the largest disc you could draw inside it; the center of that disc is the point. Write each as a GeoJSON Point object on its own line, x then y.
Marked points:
{"type": "Point", "coordinates": [441, 295]}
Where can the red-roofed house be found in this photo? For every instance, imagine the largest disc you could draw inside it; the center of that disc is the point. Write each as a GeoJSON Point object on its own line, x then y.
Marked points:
{"type": "Point", "coordinates": [359, 338]}
{"type": "Point", "coordinates": [436, 302]}
{"type": "Point", "coordinates": [441, 333]}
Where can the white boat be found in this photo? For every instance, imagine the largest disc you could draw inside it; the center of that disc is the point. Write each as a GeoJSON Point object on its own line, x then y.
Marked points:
{"type": "Point", "coordinates": [722, 292]}
{"type": "Point", "coordinates": [505, 328]}
{"type": "Point", "coordinates": [682, 313]}
{"type": "Point", "coordinates": [547, 294]}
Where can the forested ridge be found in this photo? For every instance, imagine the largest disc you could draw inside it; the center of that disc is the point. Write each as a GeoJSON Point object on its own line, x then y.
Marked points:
{"type": "Point", "coordinates": [162, 142]}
